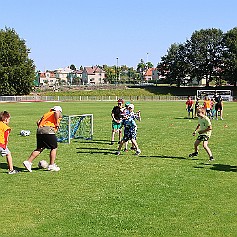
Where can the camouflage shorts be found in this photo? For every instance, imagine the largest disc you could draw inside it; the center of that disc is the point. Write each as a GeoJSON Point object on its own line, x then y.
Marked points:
{"type": "Point", "coordinates": [203, 138]}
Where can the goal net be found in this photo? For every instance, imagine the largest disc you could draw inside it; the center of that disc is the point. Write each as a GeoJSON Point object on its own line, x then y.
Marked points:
{"type": "Point", "coordinates": [225, 94]}
{"type": "Point", "coordinates": [75, 127]}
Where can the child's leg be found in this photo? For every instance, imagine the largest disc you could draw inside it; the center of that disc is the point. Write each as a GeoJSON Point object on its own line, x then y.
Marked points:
{"type": "Point", "coordinates": [134, 142]}
{"type": "Point", "coordinates": [196, 143]}
{"type": "Point", "coordinates": [121, 145]}
{"type": "Point", "coordinates": [205, 146]}
{"type": "Point", "coordinates": [9, 161]}
{"type": "Point", "coordinates": [112, 136]}
{"type": "Point", "coordinates": [120, 134]}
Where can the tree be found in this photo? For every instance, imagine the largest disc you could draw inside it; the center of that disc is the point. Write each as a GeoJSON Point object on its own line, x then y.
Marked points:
{"type": "Point", "coordinates": [205, 54]}
{"type": "Point", "coordinates": [230, 56]}
{"type": "Point", "coordinates": [72, 67]}
{"type": "Point", "coordinates": [17, 70]}
{"type": "Point", "coordinates": [175, 65]}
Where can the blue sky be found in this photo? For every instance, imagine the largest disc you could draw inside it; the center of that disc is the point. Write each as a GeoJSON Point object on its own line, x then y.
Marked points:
{"type": "Point", "coordinates": [64, 32]}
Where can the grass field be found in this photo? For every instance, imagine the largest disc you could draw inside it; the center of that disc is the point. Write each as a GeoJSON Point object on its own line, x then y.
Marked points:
{"type": "Point", "coordinates": [96, 193]}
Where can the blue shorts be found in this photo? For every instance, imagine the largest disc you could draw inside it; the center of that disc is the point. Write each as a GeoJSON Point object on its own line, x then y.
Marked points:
{"type": "Point", "coordinates": [130, 133]}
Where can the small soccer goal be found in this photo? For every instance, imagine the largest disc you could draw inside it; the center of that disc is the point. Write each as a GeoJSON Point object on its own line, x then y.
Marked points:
{"type": "Point", "coordinates": [227, 95]}
{"type": "Point", "coordinates": [75, 127]}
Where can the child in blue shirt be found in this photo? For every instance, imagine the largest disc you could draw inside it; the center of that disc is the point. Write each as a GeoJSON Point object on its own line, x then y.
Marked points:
{"type": "Point", "coordinates": [130, 129]}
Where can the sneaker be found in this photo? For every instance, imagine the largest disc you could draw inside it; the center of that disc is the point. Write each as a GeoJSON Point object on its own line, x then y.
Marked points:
{"type": "Point", "coordinates": [111, 143]}
{"type": "Point", "coordinates": [211, 158]}
{"type": "Point", "coordinates": [27, 165]}
{"type": "Point", "coordinates": [126, 150]}
{"type": "Point", "coordinates": [193, 154]}
{"type": "Point", "coordinates": [53, 167]}
{"type": "Point", "coordinates": [13, 172]}
{"type": "Point", "coordinates": [138, 152]}
{"type": "Point", "coordinates": [117, 153]}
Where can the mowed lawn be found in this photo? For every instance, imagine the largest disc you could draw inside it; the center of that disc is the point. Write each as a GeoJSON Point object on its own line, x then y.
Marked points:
{"type": "Point", "coordinates": [162, 192]}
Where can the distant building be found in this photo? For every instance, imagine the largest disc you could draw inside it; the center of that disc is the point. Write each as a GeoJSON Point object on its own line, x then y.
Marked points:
{"type": "Point", "coordinates": [93, 75]}
{"type": "Point", "coordinates": [47, 78]}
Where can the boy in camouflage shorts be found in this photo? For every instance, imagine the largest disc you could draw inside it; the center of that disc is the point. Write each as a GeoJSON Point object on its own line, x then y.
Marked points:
{"type": "Point", "coordinates": [205, 128]}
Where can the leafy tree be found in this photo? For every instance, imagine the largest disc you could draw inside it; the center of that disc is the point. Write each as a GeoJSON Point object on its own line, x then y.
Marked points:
{"type": "Point", "coordinates": [175, 65]}
{"type": "Point", "coordinates": [205, 54]}
{"type": "Point", "coordinates": [73, 67]}
{"type": "Point", "coordinates": [230, 56]}
{"type": "Point", "coordinates": [17, 71]}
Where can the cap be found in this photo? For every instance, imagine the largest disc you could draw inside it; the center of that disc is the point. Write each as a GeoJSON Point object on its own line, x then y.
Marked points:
{"type": "Point", "coordinates": [57, 108]}
{"type": "Point", "coordinates": [131, 106]}
{"type": "Point", "coordinates": [127, 103]}
{"type": "Point", "coordinates": [120, 101]}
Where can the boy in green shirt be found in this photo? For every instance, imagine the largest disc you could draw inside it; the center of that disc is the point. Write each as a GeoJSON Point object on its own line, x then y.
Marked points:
{"type": "Point", "coordinates": [205, 128]}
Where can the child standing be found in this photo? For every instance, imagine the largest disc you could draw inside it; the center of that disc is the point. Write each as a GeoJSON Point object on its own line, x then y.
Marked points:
{"type": "Point", "coordinates": [130, 129]}
{"type": "Point", "coordinates": [4, 135]}
{"type": "Point", "coordinates": [189, 106]}
{"type": "Point", "coordinates": [205, 128]}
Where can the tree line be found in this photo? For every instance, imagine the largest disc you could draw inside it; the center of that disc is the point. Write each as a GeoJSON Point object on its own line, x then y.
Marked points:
{"type": "Point", "coordinates": [209, 54]}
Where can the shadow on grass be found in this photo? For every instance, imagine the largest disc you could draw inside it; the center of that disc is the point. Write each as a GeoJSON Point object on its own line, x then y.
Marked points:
{"type": "Point", "coordinates": [93, 141]}
{"type": "Point", "coordinates": [218, 167]}
{"type": "Point", "coordinates": [4, 166]}
{"type": "Point", "coordinates": [164, 157]}
{"type": "Point", "coordinates": [94, 150]}
{"type": "Point", "coordinates": [185, 118]}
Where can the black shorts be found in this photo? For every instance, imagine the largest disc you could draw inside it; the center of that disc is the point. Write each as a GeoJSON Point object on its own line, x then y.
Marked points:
{"type": "Point", "coordinates": [48, 141]}
{"type": "Point", "coordinates": [218, 107]}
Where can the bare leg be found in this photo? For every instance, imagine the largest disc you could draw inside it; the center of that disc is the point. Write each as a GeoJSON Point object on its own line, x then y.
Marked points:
{"type": "Point", "coordinates": [9, 161]}
{"type": "Point", "coordinates": [196, 143]}
{"type": "Point", "coordinates": [205, 146]}
{"type": "Point", "coordinates": [34, 154]}
{"type": "Point", "coordinates": [134, 142]}
{"type": "Point", "coordinates": [52, 156]}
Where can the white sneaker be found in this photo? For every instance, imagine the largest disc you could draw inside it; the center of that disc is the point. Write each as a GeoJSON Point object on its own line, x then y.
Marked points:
{"type": "Point", "coordinates": [27, 165]}
{"type": "Point", "coordinates": [138, 152]}
{"type": "Point", "coordinates": [53, 167]}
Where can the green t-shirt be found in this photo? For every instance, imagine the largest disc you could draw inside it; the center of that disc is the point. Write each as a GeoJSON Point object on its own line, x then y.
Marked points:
{"type": "Point", "coordinates": [204, 123]}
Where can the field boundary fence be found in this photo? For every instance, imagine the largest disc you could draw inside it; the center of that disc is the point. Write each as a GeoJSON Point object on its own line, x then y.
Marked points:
{"type": "Point", "coordinates": [92, 98]}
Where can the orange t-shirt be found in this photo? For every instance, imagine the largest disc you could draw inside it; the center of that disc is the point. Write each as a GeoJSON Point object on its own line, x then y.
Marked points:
{"type": "Point", "coordinates": [4, 134]}
{"type": "Point", "coordinates": [49, 120]}
{"type": "Point", "coordinates": [207, 104]}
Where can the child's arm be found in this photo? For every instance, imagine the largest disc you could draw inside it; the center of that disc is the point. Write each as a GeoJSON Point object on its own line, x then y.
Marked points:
{"type": "Point", "coordinates": [198, 126]}
{"type": "Point", "coordinates": [6, 136]}
{"type": "Point", "coordinates": [139, 118]}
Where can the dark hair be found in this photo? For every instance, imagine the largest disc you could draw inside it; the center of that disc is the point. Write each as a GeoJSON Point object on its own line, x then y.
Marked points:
{"type": "Point", "coordinates": [4, 115]}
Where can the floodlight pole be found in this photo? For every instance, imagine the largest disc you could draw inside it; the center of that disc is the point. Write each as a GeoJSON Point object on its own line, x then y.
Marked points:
{"type": "Point", "coordinates": [117, 70]}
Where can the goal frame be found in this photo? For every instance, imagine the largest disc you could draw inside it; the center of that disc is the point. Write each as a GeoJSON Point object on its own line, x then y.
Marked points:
{"type": "Point", "coordinates": [227, 95]}
{"type": "Point", "coordinates": [71, 135]}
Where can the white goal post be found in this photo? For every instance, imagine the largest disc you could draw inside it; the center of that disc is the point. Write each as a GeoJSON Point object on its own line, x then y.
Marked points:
{"type": "Point", "coordinates": [75, 127]}
{"type": "Point", "coordinates": [227, 95]}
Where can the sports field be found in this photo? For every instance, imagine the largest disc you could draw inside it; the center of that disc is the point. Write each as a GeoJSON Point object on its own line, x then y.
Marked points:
{"type": "Point", "coordinates": [162, 192]}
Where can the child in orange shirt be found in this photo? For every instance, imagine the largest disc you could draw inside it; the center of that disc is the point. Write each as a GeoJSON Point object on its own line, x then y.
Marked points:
{"type": "Point", "coordinates": [4, 134]}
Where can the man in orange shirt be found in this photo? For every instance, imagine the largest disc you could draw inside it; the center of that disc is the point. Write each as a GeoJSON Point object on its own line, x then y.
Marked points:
{"type": "Point", "coordinates": [46, 138]}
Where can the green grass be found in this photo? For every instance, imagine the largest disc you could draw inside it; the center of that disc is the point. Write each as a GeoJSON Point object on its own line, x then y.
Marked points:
{"type": "Point", "coordinates": [96, 193]}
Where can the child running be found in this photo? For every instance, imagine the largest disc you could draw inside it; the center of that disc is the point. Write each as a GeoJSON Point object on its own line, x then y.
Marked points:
{"type": "Point", "coordinates": [130, 129]}
{"type": "Point", "coordinates": [205, 128]}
